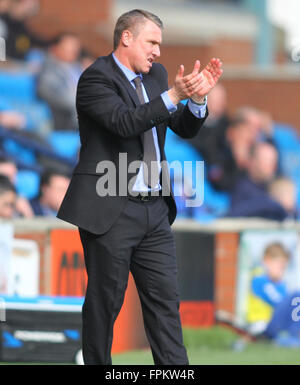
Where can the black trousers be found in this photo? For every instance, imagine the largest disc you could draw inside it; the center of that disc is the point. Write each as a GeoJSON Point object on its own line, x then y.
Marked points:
{"type": "Point", "coordinates": [140, 241]}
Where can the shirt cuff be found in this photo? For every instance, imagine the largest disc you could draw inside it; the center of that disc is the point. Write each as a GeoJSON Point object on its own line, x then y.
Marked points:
{"type": "Point", "coordinates": [168, 103]}
{"type": "Point", "coordinates": [196, 110]}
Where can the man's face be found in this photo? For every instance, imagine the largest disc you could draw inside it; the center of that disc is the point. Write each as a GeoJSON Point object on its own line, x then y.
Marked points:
{"type": "Point", "coordinates": [264, 163]}
{"type": "Point", "coordinates": [255, 121]}
{"type": "Point", "coordinates": [143, 46]}
{"type": "Point", "coordinates": [54, 192]}
{"type": "Point", "coordinates": [10, 170]}
{"type": "Point", "coordinates": [68, 49]}
{"type": "Point", "coordinates": [7, 204]}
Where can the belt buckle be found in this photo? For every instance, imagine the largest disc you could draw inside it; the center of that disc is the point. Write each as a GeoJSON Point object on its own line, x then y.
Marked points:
{"type": "Point", "coordinates": [145, 198]}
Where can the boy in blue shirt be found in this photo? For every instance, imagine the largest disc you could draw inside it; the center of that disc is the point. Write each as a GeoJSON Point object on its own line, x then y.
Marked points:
{"type": "Point", "coordinates": [270, 306]}
{"type": "Point", "coordinates": [267, 287]}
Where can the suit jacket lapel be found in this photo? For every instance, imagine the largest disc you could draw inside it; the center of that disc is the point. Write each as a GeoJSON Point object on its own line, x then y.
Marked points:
{"type": "Point", "coordinates": [123, 79]}
{"type": "Point", "coordinates": [152, 90]}
{"type": "Point", "coordinates": [126, 83]}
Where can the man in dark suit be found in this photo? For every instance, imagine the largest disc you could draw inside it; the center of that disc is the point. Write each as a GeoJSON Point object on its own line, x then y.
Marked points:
{"type": "Point", "coordinates": [124, 107]}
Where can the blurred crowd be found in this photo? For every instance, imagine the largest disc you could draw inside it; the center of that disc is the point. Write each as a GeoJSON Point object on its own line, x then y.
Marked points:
{"type": "Point", "coordinates": [242, 159]}
{"type": "Point", "coordinates": [38, 149]}
{"type": "Point", "coordinates": [30, 153]}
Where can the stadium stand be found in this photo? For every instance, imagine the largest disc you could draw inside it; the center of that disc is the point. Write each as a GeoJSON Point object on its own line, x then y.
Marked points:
{"type": "Point", "coordinates": [27, 144]}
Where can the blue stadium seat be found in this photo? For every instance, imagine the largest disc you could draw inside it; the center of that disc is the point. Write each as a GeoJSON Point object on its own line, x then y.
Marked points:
{"type": "Point", "coordinates": [203, 216]}
{"type": "Point", "coordinates": [215, 203]}
{"type": "Point", "coordinates": [37, 113]}
{"type": "Point", "coordinates": [18, 85]}
{"type": "Point", "coordinates": [18, 93]}
{"type": "Point", "coordinates": [179, 149]}
{"type": "Point", "coordinates": [36, 57]}
{"type": "Point", "coordinates": [288, 143]}
{"type": "Point", "coordinates": [285, 136]}
{"type": "Point", "coordinates": [17, 151]}
{"type": "Point", "coordinates": [65, 143]}
{"type": "Point", "coordinates": [27, 183]}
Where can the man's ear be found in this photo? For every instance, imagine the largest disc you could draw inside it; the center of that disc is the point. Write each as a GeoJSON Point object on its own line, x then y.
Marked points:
{"type": "Point", "coordinates": [126, 37]}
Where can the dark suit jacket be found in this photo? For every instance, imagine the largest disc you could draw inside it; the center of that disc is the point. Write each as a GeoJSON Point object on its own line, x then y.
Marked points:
{"type": "Point", "coordinates": [112, 121]}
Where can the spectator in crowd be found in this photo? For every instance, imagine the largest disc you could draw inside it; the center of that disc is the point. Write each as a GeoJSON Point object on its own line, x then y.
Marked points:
{"type": "Point", "coordinates": [232, 156]}
{"type": "Point", "coordinates": [260, 122]}
{"type": "Point", "coordinates": [240, 140]}
{"type": "Point", "coordinates": [267, 127]}
{"type": "Point", "coordinates": [53, 187]}
{"type": "Point", "coordinates": [270, 306]}
{"type": "Point", "coordinates": [4, 6]}
{"type": "Point", "coordinates": [12, 120]}
{"type": "Point", "coordinates": [283, 191]}
{"type": "Point", "coordinates": [18, 37]}
{"type": "Point", "coordinates": [253, 117]}
{"type": "Point", "coordinates": [267, 288]}
{"type": "Point", "coordinates": [10, 170]}
{"type": "Point", "coordinates": [8, 198]}
{"type": "Point", "coordinates": [225, 144]}
{"type": "Point", "coordinates": [250, 197]}
{"type": "Point", "coordinates": [210, 140]}
{"type": "Point", "coordinates": [57, 82]}
{"type": "Point", "coordinates": [86, 58]}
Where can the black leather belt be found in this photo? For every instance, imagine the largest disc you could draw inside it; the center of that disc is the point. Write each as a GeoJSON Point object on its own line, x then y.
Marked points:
{"type": "Point", "coordinates": [144, 197]}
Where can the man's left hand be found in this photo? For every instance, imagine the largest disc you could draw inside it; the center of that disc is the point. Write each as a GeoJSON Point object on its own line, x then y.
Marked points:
{"type": "Point", "coordinates": [211, 75]}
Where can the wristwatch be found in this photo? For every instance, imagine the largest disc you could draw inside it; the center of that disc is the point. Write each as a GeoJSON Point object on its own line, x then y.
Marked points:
{"type": "Point", "coordinates": [202, 103]}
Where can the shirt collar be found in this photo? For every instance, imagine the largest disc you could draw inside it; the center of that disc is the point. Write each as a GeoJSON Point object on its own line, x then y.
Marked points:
{"type": "Point", "coordinates": [130, 75]}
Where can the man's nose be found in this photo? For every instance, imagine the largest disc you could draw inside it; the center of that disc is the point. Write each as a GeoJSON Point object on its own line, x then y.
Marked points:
{"type": "Point", "coordinates": [156, 52]}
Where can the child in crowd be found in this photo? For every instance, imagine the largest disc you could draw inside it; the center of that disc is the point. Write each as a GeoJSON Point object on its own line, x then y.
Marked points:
{"type": "Point", "coordinates": [270, 306]}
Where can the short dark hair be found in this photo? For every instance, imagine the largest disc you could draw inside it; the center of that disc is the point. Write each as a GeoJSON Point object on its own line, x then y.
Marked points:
{"type": "Point", "coordinates": [47, 175]}
{"type": "Point", "coordinates": [130, 20]}
{"type": "Point", "coordinates": [6, 185]}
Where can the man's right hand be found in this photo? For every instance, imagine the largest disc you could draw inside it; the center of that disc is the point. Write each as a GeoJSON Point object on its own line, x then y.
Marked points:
{"type": "Point", "coordinates": [186, 86]}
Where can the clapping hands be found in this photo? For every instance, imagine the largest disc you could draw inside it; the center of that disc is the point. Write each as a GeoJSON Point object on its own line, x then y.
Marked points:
{"type": "Point", "coordinates": [196, 85]}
